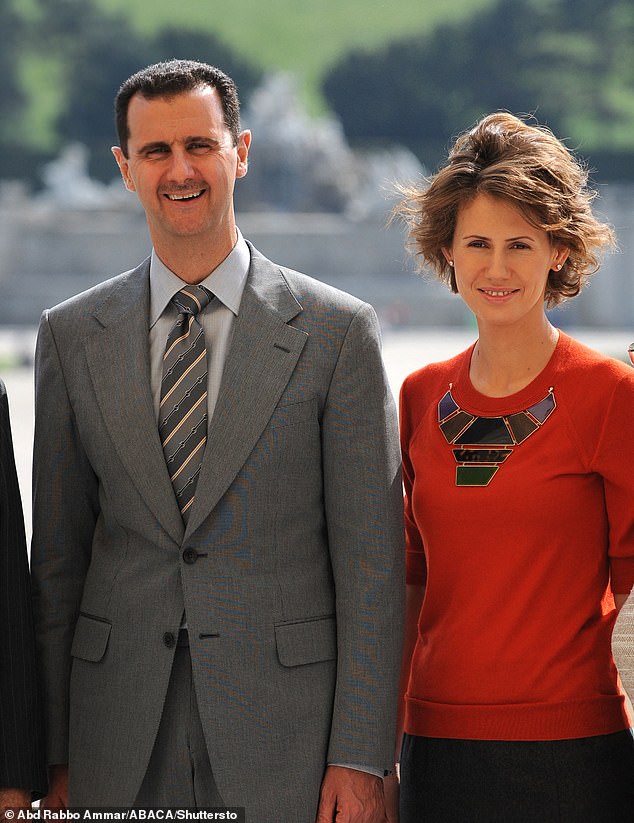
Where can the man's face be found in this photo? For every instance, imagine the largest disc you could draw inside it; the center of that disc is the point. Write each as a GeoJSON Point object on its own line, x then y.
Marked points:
{"type": "Point", "coordinates": [182, 164]}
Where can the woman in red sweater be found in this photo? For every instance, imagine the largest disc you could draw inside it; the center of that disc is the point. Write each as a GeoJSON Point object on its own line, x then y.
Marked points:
{"type": "Point", "coordinates": [518, 462]}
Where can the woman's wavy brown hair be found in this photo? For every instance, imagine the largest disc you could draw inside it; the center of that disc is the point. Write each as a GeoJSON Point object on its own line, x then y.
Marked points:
{"type": "Point", "coordinates": [529, 168]}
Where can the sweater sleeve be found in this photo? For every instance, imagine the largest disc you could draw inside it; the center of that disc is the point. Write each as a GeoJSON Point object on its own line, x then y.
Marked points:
{"type": "Point", "coordinates": [614, 461]}
{"type": "Point", "coordinates": [416, 565]}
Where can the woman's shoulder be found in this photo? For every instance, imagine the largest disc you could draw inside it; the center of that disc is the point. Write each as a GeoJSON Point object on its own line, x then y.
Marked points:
{"type": "Point", "coordinates": [442, 372]}
{"type": "Point", "coordinates": [584, 364]}
{"type": "Point", "coordinates": [597, 391]}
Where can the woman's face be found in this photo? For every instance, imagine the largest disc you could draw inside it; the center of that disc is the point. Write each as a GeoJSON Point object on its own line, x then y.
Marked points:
{"type": "Point", "coordinates": [501, 262]}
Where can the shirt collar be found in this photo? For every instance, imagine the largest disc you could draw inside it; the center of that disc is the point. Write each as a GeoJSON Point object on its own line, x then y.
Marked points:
{"type": "Point", "coordinates": [226, 281]}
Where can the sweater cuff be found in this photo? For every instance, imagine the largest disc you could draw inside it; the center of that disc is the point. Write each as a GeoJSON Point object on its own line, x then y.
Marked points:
{"type": "Point", "coordinates": [621, 574]}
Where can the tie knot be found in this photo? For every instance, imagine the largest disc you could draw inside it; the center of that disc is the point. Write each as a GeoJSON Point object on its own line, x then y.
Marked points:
{"type": "Point", "coordinates": [192, 299]}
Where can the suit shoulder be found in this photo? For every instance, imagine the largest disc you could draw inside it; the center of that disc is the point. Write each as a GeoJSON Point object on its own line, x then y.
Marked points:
{"type": "Point", "coordinates": [4, 405]}
{"type": "Point", "coordinates": [308, 290]}
{"type": "Point", "coordinates": [84, 303]}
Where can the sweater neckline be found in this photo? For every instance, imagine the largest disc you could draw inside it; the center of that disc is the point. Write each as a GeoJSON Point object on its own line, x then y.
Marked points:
{"type": "Point", "coordinates": [474, 402]}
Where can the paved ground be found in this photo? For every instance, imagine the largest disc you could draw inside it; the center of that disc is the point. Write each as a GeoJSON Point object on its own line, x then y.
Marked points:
{"type": "Point", "coordinates": [404, 351]}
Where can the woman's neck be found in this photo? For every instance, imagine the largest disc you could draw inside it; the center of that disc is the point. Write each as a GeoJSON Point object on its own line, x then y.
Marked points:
{"type": "Point", "coordinates": [505, 361]}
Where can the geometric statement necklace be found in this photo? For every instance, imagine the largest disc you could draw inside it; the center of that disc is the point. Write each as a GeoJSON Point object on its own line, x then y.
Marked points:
{"type": "Point", "coordinates": [484, 443]}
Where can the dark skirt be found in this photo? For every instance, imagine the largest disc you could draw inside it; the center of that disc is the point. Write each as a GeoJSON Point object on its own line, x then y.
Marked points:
{"type": "Point", "coordinates": [586, 780]}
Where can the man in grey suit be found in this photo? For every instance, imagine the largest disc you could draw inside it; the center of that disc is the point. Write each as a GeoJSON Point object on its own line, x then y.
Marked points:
{"type": "Point", "coordinates": [228, 631]}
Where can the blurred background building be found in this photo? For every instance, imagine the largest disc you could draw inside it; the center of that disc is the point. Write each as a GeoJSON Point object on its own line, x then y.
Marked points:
{"type": "Point", "coordinates": [345, 98]}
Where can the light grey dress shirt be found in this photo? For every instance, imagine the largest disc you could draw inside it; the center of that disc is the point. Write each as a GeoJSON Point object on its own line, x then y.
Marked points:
{"type": "Point", "coordinates": [226, 283]}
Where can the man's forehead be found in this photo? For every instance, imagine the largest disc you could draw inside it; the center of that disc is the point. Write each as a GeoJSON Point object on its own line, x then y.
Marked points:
{"type": "Point", "coordinates": [191, 113]}
{"type": "Point", "coordinates": [200, 96]}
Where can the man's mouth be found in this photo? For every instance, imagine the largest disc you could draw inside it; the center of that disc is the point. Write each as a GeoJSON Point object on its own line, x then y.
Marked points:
{"type": "Point", "coordinates": [191, 195]}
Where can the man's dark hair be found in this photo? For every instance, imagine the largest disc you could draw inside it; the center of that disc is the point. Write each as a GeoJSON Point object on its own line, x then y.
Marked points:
{"type": "Point", "coordinates": [174, 77]}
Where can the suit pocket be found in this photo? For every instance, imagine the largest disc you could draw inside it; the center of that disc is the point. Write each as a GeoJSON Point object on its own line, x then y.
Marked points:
{"type": "Point", "coordinates": [306, 641]}
{"type": "Point", "coordinates": [303, 412]}
{"type": "Point", "coordinates": [91, 638]}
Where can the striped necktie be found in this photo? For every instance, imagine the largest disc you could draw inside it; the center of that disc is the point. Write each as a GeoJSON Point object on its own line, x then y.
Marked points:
{"type": "Point", "coordinates": [183, 408]}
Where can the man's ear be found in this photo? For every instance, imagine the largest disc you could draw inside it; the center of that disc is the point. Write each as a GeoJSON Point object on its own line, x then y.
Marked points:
{"type": "Point", "coordinates": [244, 143]}
{"type": "Point", "coordinates": [124, 168]}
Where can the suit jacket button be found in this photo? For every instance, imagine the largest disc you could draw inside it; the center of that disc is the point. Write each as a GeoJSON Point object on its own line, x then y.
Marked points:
{"type": "Point", "coordinates": [190, 556]}
{"type": "Point", "coordinates": [169, 639]}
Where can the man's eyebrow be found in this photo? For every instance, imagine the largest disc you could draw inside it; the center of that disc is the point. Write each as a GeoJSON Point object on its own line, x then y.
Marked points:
{"type": "Point", "coordinates": [203, 138]}
{"type": "Point", "coordinates": [163, 144]}
{"type": "Point", "coordinates": [156, 144]}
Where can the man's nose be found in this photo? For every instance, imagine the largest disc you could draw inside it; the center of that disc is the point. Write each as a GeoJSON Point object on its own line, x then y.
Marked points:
{"type": "Point", "coordinates": [181, 167]}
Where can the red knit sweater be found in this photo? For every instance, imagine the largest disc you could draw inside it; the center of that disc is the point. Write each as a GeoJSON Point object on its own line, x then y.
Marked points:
{"type": "Point", "coordinates": [514, 632]}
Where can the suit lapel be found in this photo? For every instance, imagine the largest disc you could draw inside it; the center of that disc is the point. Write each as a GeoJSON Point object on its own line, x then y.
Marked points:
{"type": "Point", "coordinates": [261, 360]}
{"type": "Point", "coordinates": [118, 358]}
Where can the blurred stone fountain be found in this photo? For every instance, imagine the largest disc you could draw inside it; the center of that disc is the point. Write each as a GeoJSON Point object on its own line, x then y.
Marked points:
{"type": "Point", "coordinates": [309, 201]}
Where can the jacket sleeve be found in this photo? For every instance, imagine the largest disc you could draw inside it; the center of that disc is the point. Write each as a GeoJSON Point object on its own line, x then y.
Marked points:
{"type": "Point", "coordinates": [416, 566]}
{"type": "Point", "coordinates": [65, 510]}
{"type": "Point", "coordinates": [364, 511]}
{"type": "Point", "coordinates": [21, 734]}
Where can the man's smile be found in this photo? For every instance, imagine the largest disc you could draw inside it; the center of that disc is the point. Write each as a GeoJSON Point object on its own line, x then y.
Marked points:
{"type": "Point", "coordinates": [192, 195]}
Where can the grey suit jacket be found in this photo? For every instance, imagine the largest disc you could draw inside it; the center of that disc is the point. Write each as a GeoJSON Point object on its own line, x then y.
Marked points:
{"type": "Point", "coordinates": [290, 569]}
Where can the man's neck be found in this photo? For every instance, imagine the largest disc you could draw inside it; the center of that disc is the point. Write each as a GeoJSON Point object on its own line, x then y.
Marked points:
{"type": "Point", "coordinates": [193, 260]}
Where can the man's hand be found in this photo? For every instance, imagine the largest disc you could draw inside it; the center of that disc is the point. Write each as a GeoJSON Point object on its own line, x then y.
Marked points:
{"type": "Point", "coordinates": [13, 799]}
{"type": "Point", "coordinates": [391, 794]}
{"type": "Point", "coordinates": [350, 796]}
{"type": "Point", "coordinates": [57, 797]}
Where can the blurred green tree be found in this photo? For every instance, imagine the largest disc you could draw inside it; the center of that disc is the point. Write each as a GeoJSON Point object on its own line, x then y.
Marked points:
{"type": "Point", "coordinates": [12, 97]}
{"type": "Point", "coordinates": [98, 52]}
{"type": "Point", "coordinates": [568, 62]}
